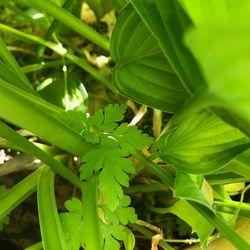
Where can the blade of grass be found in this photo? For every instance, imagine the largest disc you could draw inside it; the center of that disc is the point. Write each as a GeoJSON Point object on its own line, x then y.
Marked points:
{"type": "Point", "coordinates": [21, 13]}
{"type": "Point", "coordinates": [82, 63]}
{"type": "Point", "coordinates": [71, 21]}
{"type": "Point", "coordinates": [36, 246]}
{"type": "Point", "coordinates": [17, 194]}
{"type": "Point", "coordinates": [11, 62]}
{"type": "Point", "coordinates": [43, 65]}
{"type": "Point", "coordinates": [51, 229]}
{"type": "Point", "coordinates": [18, 108]}
{"type": "Point", "coordinates": [30, 148]}
{"type": "Point", "coordinates": [91, 221]}
{"type": "Point", "coordinates": [66, 5]}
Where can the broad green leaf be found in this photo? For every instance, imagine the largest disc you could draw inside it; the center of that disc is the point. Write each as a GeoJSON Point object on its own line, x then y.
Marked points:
{"type": "Point", "coordinates": [217, 222]}
{"type": "Point", "coordinates": [167, 21]}
{"type": "Point", "coordinates": [187, 213]}
{"type": "Point", "coordinates": [240, 165]}
{"type": "Point", "coordinates": [222, 50]}
{"type": "Point", "coordinates": [142, 73]}
{"type": "Point", "coordinates": [51, 229]}
{"type": "Point", "coordinates": [201, 11]}
{"type": "Point", "coordinates": [68, 94]}
{"type": "Point", "coordinates": [18, 106]}
{"type": "Point", "coordinates": [189, 187]}
{"type": "Point", "coordinates": [202, 144]}
{"type": "Point", "coordinates": [17, 194]}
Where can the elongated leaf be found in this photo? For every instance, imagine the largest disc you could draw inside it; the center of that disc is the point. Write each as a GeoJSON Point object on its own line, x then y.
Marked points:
{"type": "Point", "coordinates": [83, 63]}
{"type": "Point", "coordinates": [142, 73]}
{"type": "Point", "coordinates": [30, 148]}
{"type": "Point", "coordinates": [167, 21]}
{"type": "Point", "coordinates": [51, 229]}
{"type": "Point", "coordinates": [240, 165]}
{"type": "Point", "coordinates": [222, 49]}
{"type": "Point", "coordinates": [202, 144]}
{"type": "Point", "coordinates": [188, 187]}
{"type": "Point", "coordinates": [68, 19]}
{"type": "Point", "coordinates": [28, 111]}
{"type": "Point", "coordinates": [36, 246]}
{"type": "Point", "coordinates": [17, 194]}
{"type": "Point", "coordinates": [10, 61]}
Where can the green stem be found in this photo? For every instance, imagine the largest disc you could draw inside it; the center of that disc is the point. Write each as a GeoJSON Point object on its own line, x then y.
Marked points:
{"type": "Point", "coordinates": [83, 63]}
{"type": "Point", "coordinates": [30, 148]}
{"type": "Point", "coordinates": [71, 21]}
{"type": "Point", "coordinates": [42, 65]}
{"type": "Point", "coordinates": [17, 194]}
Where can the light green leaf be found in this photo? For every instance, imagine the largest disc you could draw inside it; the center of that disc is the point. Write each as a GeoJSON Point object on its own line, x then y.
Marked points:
{"type": "Point", "coordinates": [72, 223]}
{"type": "Point", "coordinates": [17, 194]}
{"type": "Point", "coordinates": [51, 229]}
{"type": "Point", "coordinates": [17, 106]}
{"type": "Point", "coordinates": [142, 73]}
{"type": "Point", "coordinates": [222, 50]}
{"type": "Point", "coordinates": [114, 168]}
{"type": "Point", "coordinates": [130, 138]}
{"type": "Point", "coordinates": [202, 144]}
{"type": "Point", "coordinates": [187, 213]}
{"type": "Point", "coordinates": [188, 187]}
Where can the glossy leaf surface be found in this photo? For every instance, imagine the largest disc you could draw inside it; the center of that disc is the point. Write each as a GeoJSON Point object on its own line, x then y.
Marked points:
{"type": "Point", "coordinates": [202, 144]}
{"type": "Point", "coordinates": [142, 72]}
{"type": "Point", "coordinates": [167, 21]}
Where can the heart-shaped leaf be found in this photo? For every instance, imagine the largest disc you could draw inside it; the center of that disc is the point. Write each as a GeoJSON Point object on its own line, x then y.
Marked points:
{"type": "Point", "coordinates": [142, 73]}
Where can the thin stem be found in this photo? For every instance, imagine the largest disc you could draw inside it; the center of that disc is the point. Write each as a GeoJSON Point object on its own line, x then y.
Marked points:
{"type": "Point", "coordinates": [68, 19]}
{"type": "Point", "coordinates": [58, 48]}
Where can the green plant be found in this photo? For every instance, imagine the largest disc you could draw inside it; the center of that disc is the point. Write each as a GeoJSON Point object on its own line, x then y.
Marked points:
{"type": "Point", "coordinates": [169, 55]}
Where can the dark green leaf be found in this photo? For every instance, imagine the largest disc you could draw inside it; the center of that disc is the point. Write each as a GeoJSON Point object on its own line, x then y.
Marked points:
{"type": "Point", "coordinates": [142, 73]}
{"type": "Point", "coordinates": [168, 21]}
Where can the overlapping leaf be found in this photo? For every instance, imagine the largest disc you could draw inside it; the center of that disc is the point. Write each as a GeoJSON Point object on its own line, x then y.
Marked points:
{"type": "Point", "coordinates": [222, 49]}
{"type": "Point", "coordinates": [115, 168]}
{"type": "Point", "coordinates": [168, 21]}
{"type": "Point", "coordinates": [202, 144]}
{"type": "Point", "coordinates": [142, 73]}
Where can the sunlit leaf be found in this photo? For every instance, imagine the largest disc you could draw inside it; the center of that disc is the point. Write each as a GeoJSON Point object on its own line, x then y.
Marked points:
{"type": "Point", "coordinates": [202, 144]}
